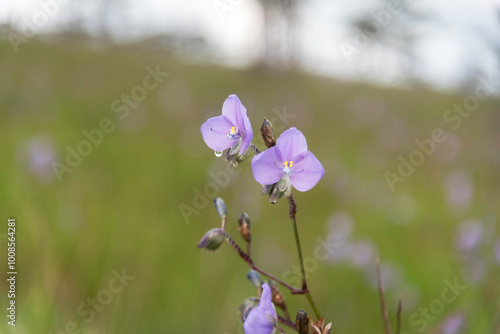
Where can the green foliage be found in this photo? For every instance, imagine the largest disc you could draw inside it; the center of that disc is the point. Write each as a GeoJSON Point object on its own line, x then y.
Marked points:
{"type": "Point", "coordinates": [119, 208]}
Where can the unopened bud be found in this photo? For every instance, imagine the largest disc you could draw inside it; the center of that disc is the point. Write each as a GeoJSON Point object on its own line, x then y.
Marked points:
{"type": "Point", "coordinates": [244, 227]}
{"type": "Point", "coordinates": [267, 189]}
{"type": "Point", "coordinates": [278, 299]}
{"type": "Point", "coordinates": [220, 206]}
{"type": "Point", "coordinates": [212, 239]}
{"type": "Point", "coordinates": [302, 322]}
{"type": "Point", "coordinates": [267, 133]}
{"type": "Point", "coordinates": [247, 306]}
{"type": "Point", "coordinates": [254, 277]}
{"type": "Point", "coordinates": [275, 194]}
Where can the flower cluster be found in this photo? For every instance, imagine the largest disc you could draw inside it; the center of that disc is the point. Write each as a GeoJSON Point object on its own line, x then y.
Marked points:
{"type": "Point", "coordinates": [286, 163]}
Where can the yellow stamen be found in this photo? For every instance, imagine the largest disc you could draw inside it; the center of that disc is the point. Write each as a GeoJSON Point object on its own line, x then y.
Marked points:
{"type": "Point", "coordinates": [234, 131]}
{"type": "Point", "coordinates": [291, 164]}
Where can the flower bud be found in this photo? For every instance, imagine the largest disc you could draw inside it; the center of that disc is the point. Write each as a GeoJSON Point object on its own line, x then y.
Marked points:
{"type": "Point", "coordinates": [302, 322]}
{"type": "Point", "coordinates": [220, 206]}
{"type": "Point", "coordinates": [212, 239]}
{"type": "Point", "coordinates": [247, 306]}
{"type": "Point", "coordinates": [244, 227]}
{"type": "Point", "coordinates": [267, 133]}
{"type": "Point", "coordinates": [275, 194]}
{"type": "Point", "coordinates": [267, 189]}
{"type": "Point", "coordinates": [277, 299]}
{"type": "Point", "coordinates": [254, 277]}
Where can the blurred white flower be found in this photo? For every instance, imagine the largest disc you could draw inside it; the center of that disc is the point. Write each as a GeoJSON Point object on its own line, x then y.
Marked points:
{"type": "Point", "coordinates": [362, 254]}
{"type": "Point", "coordinates": [459, 190]}
{"type": "Point", "coordinates": [341, 226]}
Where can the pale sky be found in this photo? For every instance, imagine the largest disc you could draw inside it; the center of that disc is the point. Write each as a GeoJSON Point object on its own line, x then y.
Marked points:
{"type": "Point", "coordinates": [453, 41]}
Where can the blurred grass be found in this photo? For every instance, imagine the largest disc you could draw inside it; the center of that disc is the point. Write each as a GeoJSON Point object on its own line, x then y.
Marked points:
{"type": "Point", "coordinates": [120, 207]}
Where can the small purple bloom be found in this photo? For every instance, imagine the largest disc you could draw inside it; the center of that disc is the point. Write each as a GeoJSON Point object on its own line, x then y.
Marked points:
{"type": "Point", "coordinates": [453, 324]}
{"type": "Point", "coordinates": [289, 159]}
{"type": "Point", "coordinates": [262, 319]}
{"type": "Point", "coordinates": [229, 130]}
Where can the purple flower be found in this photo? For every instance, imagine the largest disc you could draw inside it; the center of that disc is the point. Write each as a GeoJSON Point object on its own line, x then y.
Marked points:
{"type": "Point", "coordinates": [230, 130]}
{"type": "Point", "coordinates": [453, 324]}
{"type": "Point", "coordinates": [262, 319]}
{"type": "Point", "coordinates": [289, 160]}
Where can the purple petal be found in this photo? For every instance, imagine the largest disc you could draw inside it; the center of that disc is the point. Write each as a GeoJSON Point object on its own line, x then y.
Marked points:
{"type": "Point", "coordinates": [266, 167]}
{"type": "Point", "coordinates": [265, 302]}
{"type": "Point", "coordinates": [247, 134]}
{"type": "Point", "coordinates": [306, 173]}
{"type": "Point", "coordinates": [261, 320]}
{"type": "Point", "coordinates": [291, 145]}
{"type": "Point", "coordinates": [258, 322]}
{"type": "Point", "coordinates": [234, 110]}
{"type": "Point", "coordinates": [214, 132]}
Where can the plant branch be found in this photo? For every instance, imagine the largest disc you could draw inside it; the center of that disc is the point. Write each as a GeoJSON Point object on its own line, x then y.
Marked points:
{"type": "Point", "coordinates": [286, 322]}
{"type": "Point", "coordinates": [385, 312]}
{"type": "Point", "coordinates": [293, 212]}
{"type": "Point", "coordinates": [398, 316]}
{"type": "Point", "coordinates": [250, 262]}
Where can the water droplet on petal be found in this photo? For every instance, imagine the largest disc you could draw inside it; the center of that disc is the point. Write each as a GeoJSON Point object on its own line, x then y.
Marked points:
{"type": "Point", "coordinates": [218, 154]}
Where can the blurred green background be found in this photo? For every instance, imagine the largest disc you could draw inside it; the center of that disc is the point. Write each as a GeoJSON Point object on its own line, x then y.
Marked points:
{"type": "Point", "coordinates": [119, 209]}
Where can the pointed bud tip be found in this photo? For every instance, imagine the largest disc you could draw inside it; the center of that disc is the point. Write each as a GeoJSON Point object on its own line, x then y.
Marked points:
{"type": "Point", "coordinates": [244, 227]}
{"type": "Point", "coordinates": [267, 133]}
{"type": "Point", "coordinates": [220, 206]}
{"type": "Point", "coordinates": [254, 277]}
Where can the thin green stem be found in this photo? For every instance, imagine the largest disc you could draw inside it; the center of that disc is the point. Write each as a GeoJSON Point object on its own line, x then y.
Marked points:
{"type": "Point", "coordinates": [313, 305]}
{"type": "Point", "coordinates": [293, 211]}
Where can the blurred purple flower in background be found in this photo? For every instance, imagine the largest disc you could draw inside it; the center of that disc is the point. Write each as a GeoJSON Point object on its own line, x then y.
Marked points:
{"type": "Point", "coordinates": [469, 236]}
{"type": "Point", "coordinates": [453, 324]}
{"type": "Point", "coordinates": [288, 161]}
{"type": "Point", "coordinates": [230, 130]}
{"type": "Point", "coordinates": [262, 319]}
{"type": "Point", "coordinates": [362, 254]}
{"type": "Point", "coordinates": [37, 156]}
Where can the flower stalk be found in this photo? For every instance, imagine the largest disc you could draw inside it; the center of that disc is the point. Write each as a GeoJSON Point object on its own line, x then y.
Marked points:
{"type": "Point", "coordinates": [293, 212]}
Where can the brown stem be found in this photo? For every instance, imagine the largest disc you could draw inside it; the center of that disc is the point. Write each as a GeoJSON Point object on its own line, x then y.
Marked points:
{"type": "Point", "coordinates": [248, 248]}
{"type": "Point", "coordinates": [249, 261]}
{"type": "Point", "coordinates": [286, 322]}
{"type": "Point", "coordinates": [385, 312]}
{"type": "Point", "coordinates": [224, 218]}
{"type": "Point", "coordinates": [398, 316]}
